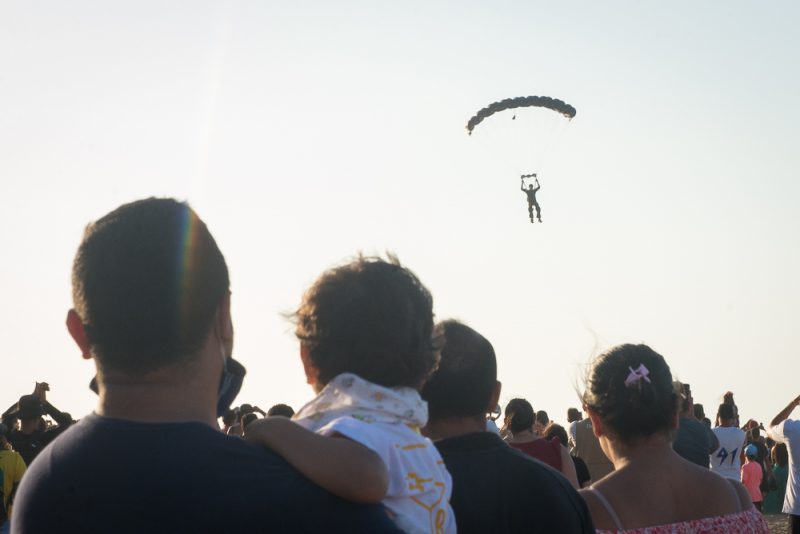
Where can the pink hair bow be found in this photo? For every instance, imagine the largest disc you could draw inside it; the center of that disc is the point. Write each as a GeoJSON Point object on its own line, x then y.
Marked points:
{"type": "Point", "coordinates": [636, 375]}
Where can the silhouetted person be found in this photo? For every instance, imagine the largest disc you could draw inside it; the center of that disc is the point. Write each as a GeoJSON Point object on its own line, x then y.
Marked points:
{"type": "Point", "coordinates": [531, 193]}
{"type": "Point", "coordinates": [32, 435]}
{"type": "Point", "coordinates": [496, 488]}
{"type": "Point", "coordinates": [693, 441]}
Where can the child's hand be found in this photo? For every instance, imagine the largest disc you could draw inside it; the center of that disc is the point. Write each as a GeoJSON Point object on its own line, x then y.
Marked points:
{"type": "Point", "coordinates": [267, 431]}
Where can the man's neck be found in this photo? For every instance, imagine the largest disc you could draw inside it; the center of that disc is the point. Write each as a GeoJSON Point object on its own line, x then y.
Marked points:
{"type": "Point", "coordinates": [157, 402]}
{"type": "Point", "coordinates": [451, 427]}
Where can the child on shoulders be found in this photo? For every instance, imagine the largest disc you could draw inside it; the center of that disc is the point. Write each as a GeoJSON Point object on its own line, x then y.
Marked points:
{"type": "Point", "coordinates": [367, 345]}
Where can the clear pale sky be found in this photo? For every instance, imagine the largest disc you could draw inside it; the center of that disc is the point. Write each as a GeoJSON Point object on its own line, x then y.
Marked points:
{"type": "Point", "coordinates": [305, 132]}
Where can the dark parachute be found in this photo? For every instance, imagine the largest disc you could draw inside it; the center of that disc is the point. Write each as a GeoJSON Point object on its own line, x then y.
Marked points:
{"type": "Point", "coordinates": [521, 102]}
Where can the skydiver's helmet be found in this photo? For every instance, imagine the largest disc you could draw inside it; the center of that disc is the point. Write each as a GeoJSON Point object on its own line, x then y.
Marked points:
{"type": "Point", "coordinates": [530, 186]}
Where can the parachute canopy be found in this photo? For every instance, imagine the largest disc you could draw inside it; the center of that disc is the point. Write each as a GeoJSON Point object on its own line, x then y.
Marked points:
{"type": "Point", "coordinates": [521, 102]}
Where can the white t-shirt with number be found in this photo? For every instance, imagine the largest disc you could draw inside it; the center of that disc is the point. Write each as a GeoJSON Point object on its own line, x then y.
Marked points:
{"type": "Point", "coordinates": [788, 432]}
{"type": "Point", "coordinates": [726, 459]}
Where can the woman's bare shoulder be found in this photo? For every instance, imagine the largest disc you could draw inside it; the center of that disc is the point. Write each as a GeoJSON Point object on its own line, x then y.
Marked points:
{"type": "Point", "coordinates": [726, 495]}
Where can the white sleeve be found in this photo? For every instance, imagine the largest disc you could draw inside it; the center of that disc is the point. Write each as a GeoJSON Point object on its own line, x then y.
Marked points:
{"type": "Point", "coordinates": [784, 430]}
{"type": "Point", "coordinates": [358, 431]}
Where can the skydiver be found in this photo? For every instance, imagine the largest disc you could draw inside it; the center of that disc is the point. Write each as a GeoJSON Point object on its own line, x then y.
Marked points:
{"type": "Point", "coordinates": [531, 193]}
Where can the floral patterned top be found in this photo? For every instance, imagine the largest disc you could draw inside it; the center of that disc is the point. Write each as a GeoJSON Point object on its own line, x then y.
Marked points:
{"type": "Point", "coordinates": [746, 522]}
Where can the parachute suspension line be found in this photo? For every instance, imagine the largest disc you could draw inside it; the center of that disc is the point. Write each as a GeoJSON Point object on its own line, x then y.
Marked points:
{"type": "Point", "coordinates": [551, 140]}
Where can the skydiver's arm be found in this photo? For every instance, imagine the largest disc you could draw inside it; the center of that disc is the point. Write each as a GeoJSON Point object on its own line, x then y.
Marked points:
{"type": "Point", "coordinates": [522, 184]}
{"type": "Point", "coordinates": [339, 465]}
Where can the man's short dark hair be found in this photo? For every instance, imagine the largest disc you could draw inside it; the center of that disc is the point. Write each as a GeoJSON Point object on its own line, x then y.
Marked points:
{"type": "Point", "coordinates": [699, 411]}
{"type": "Point", "coordinates": [554, 430]}
{"type": "Point", "coordinates": [573, 414]}
{"type": "Point", "coordinates": [462, 386]}
{"type": "Point", "coordinates": [146, 283]}
{"type": "Point", "coordinates": [372, 318]}
{"type": "Point", "coordinates": [519, 415]}
{"type": "Point", "coordinates": [283, 410]}
{"type": "Point", "coordinates": [542, 418]}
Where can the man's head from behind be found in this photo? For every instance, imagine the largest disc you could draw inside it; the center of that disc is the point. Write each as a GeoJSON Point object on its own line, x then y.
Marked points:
{"type": "Point", "coordinates": [146, 283]}
{"type": "Point", "coordinates": [573, 414]}
{"type": "Point", "coordinates": [465, 384]}
{"type": "Point", "coordinates": [369, 317]}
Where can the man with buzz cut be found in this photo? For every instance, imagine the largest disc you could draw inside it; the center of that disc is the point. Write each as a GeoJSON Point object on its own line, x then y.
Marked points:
{"type": "Point", "coordinates": [152, 310]}
{"type": "Point", "coordinates": [495, 488]}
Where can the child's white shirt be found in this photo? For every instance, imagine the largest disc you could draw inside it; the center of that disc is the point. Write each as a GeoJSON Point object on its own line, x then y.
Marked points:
{"type": "Point", "coordinates": [388, 421]}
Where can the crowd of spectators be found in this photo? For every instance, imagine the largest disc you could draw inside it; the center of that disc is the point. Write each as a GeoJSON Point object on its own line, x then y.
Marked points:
{"type": "Point", "coordinates": [399, 434]}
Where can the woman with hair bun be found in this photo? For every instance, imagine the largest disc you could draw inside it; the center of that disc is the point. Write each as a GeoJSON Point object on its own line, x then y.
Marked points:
{"type": "Point", "coordinates": [634, 411]}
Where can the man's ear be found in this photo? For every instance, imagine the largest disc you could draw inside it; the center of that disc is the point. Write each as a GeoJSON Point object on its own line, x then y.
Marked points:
{"type": "Point", "coordinates": [224, 323]}
{"type": "Point", "coordinates": [495, 398]}
{"type": "Point", "coordinates": [312, 373]}
{"type": "Point", "coordinates": [78, 333]}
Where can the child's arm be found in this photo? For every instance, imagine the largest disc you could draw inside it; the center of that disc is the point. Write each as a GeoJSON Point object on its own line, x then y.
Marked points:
{"type": "Point", "coordinates": [340, 465]}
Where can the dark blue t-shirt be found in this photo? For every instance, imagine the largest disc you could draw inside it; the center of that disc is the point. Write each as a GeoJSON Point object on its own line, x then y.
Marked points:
{"type": "Point", "coordinates": [499, 489]}
{"type": "Point", "coordinates": [110, 475]}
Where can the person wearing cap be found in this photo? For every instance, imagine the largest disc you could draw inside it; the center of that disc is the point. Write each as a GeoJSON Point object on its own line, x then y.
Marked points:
{"type": "Point", "coordinates": [31, 438]}
{"type": "Point", "coordinates": [152, 311]}
{"type": "Point", "coordinates": [12, 467]}
{"type": "Point", "coordinates": [752, 475]}
{"type": "Point", "coordinates": [787, 431]}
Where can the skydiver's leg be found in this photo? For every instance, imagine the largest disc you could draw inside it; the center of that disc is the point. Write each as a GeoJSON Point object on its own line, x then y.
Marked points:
{"type": "Point", "coordinates": [538, 212]}
{"type": "Point", "coordinates": [530, 211]}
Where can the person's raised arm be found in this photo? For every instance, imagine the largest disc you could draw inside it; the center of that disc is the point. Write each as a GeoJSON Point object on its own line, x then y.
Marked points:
{"type": "Point", "coordinates": [9, 417]}
{"type": "Point", "coordinates": [522, 183]}
{"type": "Point", "coordinates": [339, 465]}
{"type": "Point", "coordinates": [783, 414]}
{"type": "Point", "coordinates": [61, 419]}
